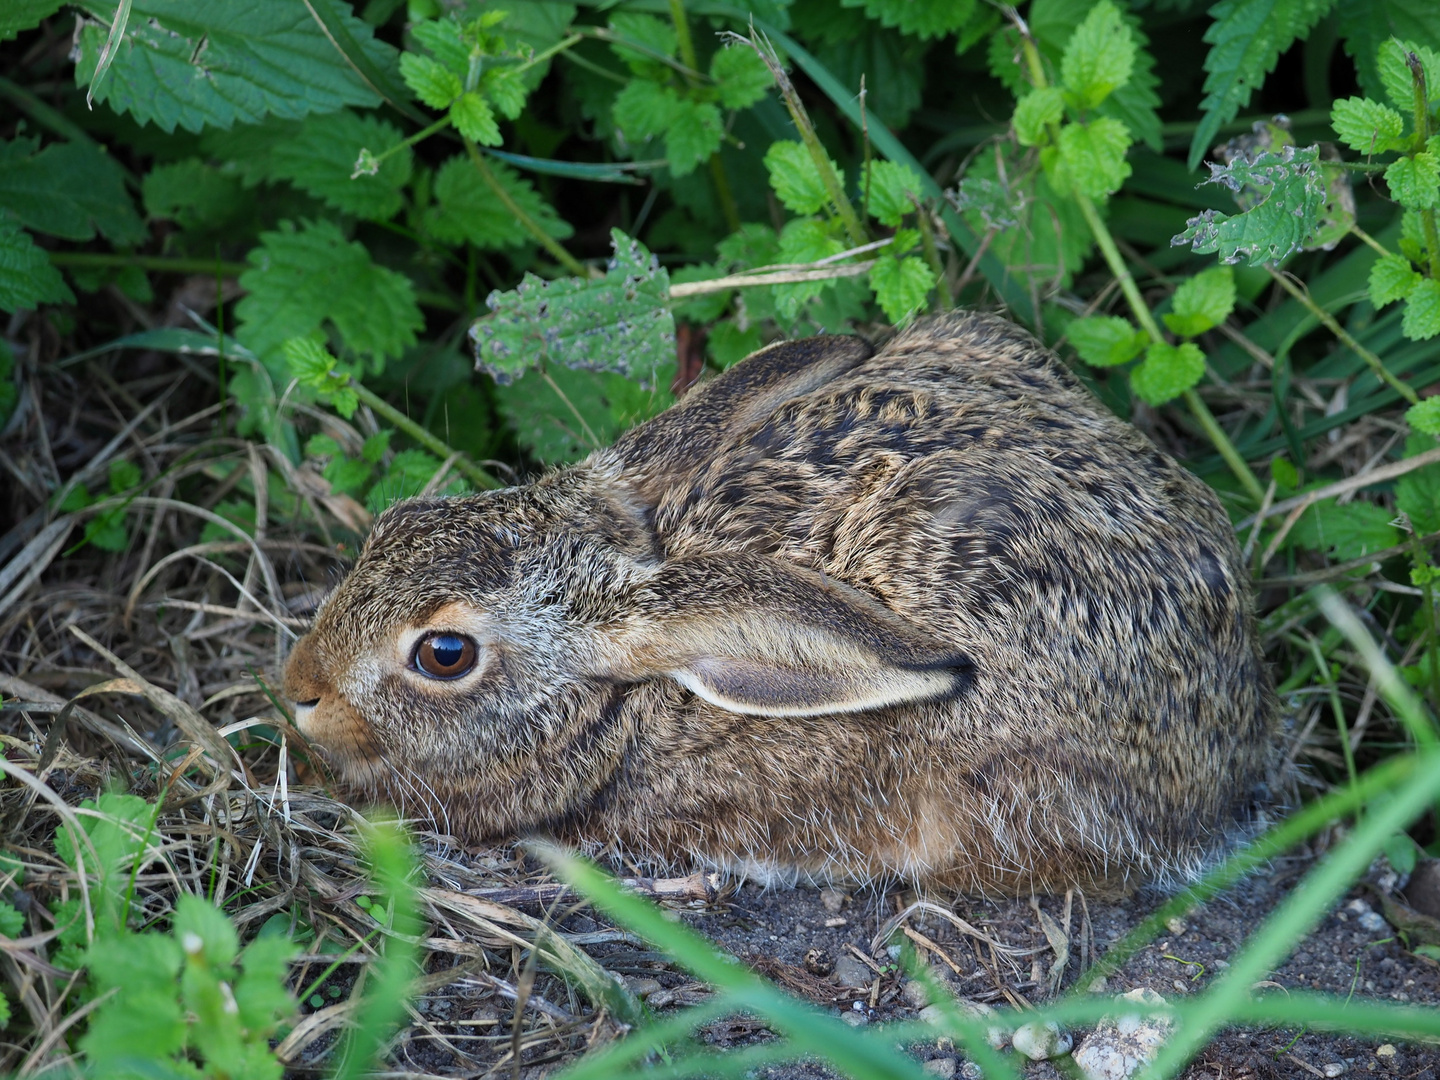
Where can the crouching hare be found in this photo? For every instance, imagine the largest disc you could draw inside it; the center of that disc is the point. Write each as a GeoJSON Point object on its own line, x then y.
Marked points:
{"type": "Point", "coordinates": [931, 613]}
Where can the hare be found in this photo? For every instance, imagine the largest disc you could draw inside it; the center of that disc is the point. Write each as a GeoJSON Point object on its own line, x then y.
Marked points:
{"type": "Point", "coordinates": [929, 613]}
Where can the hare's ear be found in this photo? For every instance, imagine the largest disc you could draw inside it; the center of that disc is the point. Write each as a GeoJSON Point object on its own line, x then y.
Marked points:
{"type": "Point", "coordinates": [754, 635]}
{"type": "Point", "coordinates": [662, 453]}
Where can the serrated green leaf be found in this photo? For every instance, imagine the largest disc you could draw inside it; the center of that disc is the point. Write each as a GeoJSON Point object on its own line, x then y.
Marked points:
{"type": "Point", "coordinates": [892, 65]}
{"type": "Point", "coordinates": [657, 36]}
{"type": "Point", "coordinates": [1391, 277]}
{"type": "Point", "coordinates": [124, 475]}
{"type": "Point", "coordinates": [18, 15]}
{"type": "Point", "coordinates": [1421, 320]}
{"type": "Point", "coordinates": [1106, 340]}
{"type": "Point", "coordinates": [193, 194]}
{"type": "Point", "coordinates": [1035, 112]}
{"type": "Point", "coordinates": [995, 203]}
{"type": "Point", "coordinates": [507, 88]}
{"type": "Point", "coordinates": [143, 1019]}
{"type": "Point", "coordinates": [1424, 418]}
{"type": "Point", "coordinates": [1395, 74]}
{"type": "Point", "coordinates": [696, 131]}
{"type": "Point", "coordinates": [1167, 371]}
{"type": "Point", "coordinates": [1346, 532]}
{"type": "Point", "coordinates": [302, 279]}
{"type": "Point", "coordinates": [795, 178]}
{"type": "Point", "coordinates": [1415, 181]}
{"type": "Point", "coordinates": [409, 473]}
{"type": "Point", "coordinates": [740, 75]}
{"type": "Point", "coordinates": [467, 210]}
{"type": "Point", "coordinates": [1094, 156]}
{"type": "Point", "coordinates": [752, 245]}
{"type": "Point", "coordinates": [901, 285]}
{"type": "Point", "coordinates": [473, 118]}
{"type": "Point", "coordinates": [203, 929]}
{"type": "Point", "coordinates": [26, 276]}
{"type": "Point", "coordinates": [891, 189]}
{"type": "Point", "coordinates": [804, 240]}
{"type": "Point", "coordinates": [1099, 56]}
{"type": "Point", "coordinates": [442, 38]}
{"type": "Point", "coordinates": [645, 110]}
{"type": "Point", "coordinates": [1247, 38]}
{"type": "Point", "coordinates": [560, 415]}
{"type": "Point", "coordinates": [67, 189]}
{"type": "Point", "coordinates": [1364, 25]}
{"type": "Point", "coordinates": [621, 323]}
{"type": "Point", "coordinates": [12, 922]}
{"type": "Point", "coordinates": [1365, 125]}
{"type": "Point", "coordinates": [1202, 302]}
{"type": "Point", "coordinates": [1292, 190]}
{"type": "Point", "coordinates": [320, 158]}
{"type": "Point", "coordinates": [922, 18]}
{"type": "Point", "coordinates": [196, 65]}
{"type": "Point", "coordinates": [727, 344]}
{"type": "Point", "coordinates": [430, 80]}
{"type": "Point", "coordinates": [260, 994]}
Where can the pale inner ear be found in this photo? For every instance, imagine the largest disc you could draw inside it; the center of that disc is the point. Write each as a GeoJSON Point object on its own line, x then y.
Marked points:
{"type": "Point", "coordinates": [754, 635]}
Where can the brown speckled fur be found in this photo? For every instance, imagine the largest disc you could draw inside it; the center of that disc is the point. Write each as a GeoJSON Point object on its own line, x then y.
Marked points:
{"type": "Point", "coordinates": [1042, 624]}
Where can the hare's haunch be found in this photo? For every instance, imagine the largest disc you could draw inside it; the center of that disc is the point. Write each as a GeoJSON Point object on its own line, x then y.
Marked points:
{"type": "Point", "coordinates": [930, 613]}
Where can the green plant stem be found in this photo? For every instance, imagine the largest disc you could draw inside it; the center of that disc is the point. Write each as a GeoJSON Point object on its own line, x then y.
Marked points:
{"type": "Point", "coordinates": [932, 255]}
{"type": "Point", "coordinates": [1238, 465]}
{"type": "Point", "coordinates": [1421, 135]}
{"type": "Point", "coordinates": [682, 34]}
{"type": "Point", "coordinates": [550, 53]}
{"type": "Point", "coordinates": [529, 224]}
{"type": "Point", "coordinates": [436, 446]}
{"type": "Point", "coordinates": [1330, 323]}
{"type": "Point", "coordinates": [1369, 241]}
{"type": "Point", "coordinates": [157, 263]}
{"type": "Point", "coordinates": [419, 136]}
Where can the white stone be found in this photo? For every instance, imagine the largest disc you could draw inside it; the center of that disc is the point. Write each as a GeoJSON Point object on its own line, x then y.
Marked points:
{"type": "Point", "coordinates": [943, 1067]}
{"type": "Point", "coordinates": [1040, 1041]}
{"type": "Point", "coordinates": [1121, 1046]}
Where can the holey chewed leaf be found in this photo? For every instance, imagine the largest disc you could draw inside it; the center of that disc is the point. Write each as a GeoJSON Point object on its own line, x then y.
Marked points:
{"type": "Point", "coordinates": [621, 322]}
{"type": "Point", "coordinates": [1293, 192]}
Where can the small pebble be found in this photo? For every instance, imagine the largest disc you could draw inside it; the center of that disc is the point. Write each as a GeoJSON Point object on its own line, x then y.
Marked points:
{"type": "Point", "coordinates": [971, 1071]}
{"type": "Point", "coordinates": [819, 962]}
{"type": "Point", "coordinates": [1120, 1046]}
{"type": "Point", "coordinates": [1335, 1068]}
{"type": "Point", "coordinates": [894, 951]}
{"type": "Point", "coordinates": [1040, 1041]}
{"type": "Point", "coordinates": [943, 1067]}
{"type": "Point", "coordinates": [915, 994]}
{"type": "Point", "coordinates": [1372, 921]}
{"type": "Point", "coordinates": [1386, 1050]}
{"type": "Point", "coordinates": [832, 900]}
{"type": "Point", "coordinates": [642, 986]}
{"type": "Point", "coordinates": [1360, 907]}
{"type": "Point", "coordinates": [855, 1019]}
{"type": "Point", "coordinates": [849, 971]}
{"type": "Point", "coordinates": [1176, 925]}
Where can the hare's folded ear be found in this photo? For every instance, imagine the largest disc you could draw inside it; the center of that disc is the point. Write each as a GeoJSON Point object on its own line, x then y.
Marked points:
{"type": "Point", "coordinates": [661, 453]}
{"type": "Point", "coordinates": [755, 635]}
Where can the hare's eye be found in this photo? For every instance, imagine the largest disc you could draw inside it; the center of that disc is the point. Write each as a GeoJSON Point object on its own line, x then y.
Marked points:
{"type": "Point", "coordinates": [444, 656]}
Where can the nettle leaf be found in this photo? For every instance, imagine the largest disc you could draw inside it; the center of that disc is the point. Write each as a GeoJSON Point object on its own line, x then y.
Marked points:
{"type": "Point", "coordinates": [205, 930]}
{"type": "Point", "coordinates": [143, 1020]}
{"type": "Point", "coordinates": [507, 88]}
{"type": "Point", "coordinates": [1425, 418]}
{"type": "Point", "coordinates": [696, 131]}
{"type": "Point", "coordinates": [560, 415]}
{"type": "Point", "coordinates": [27, 277]}
{"type": "Point", "coordinates": [193, 194]}
{"type": "Point", "coordinates": [1391, 277]}
{"type": "Point", "coordinates": [1099, 56]}
{"type": "Point", "coordinates": [1346, 531]}
{"type": "Point", "coordinates": [620, 323]}
{"type": "Point", "coordinates": [18, 15]}
{"type": "Point", "coordinates": [901, 285]}
{"type": "Point", "coordinates": [645, 110]}
{"type": "Point", "coordinates": [804, 240]}
{"type": "Point", "coordinates": [432, 82]}
{"type": "Point", "coordinates": [302, 279]}
{"type": "Point", "coordinates": [320, 158]}
{"type": "Point", "coordinates": [1365, 125]}
{"type": "Point", "coordinates": [1035, 112]}
{"type": "Point", "coordinates": [1421, 320]}
{"type": "Point", "coordinates": [1094, 156]}
{"type": "Point", "coordinates": [656, 35]}
{"type": "Point", "coordinates": [473, 118]}
{"type": "Point", "coordinates": [409, 473]}
{"type": "Point", "coordinates": [442, 38]}
{"type": "Point", "coordinates": [1415, 181]}
{"type": "Point", "coordinates": [1395, 75]}
{"type": "Point", "coordinates": [68, 189]}
{"type": "Point", "coordinates": [891, 188]}
{"type": "Point", "coordinates": [997, 205]}
{"type": "Point", "coordinates": [796, 179]}
{"type": "Point", "coordinates": [922, 18]}
{"type": "Point", "coordinates": [1202, 302]}
{"type": "Point", "coordinates": [1248, 37]}
{"type": "Point", "coordinates": [1167, 371]}
{"type": "Point", "coordinates": [740, 75]}
{"type": "Point", "coordinates": [467, 210]}
{"type": "Point", "coordinates": [1364, 25]}
{"type": "Point", "coordinates": [196, 65]}
{"type": "Point", "coordinates": [1292, 188]}
{"type": "Point", "coordinates": [1106, 340]}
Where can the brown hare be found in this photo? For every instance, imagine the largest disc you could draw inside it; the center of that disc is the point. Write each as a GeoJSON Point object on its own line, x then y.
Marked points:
{"type": "Point", "coordinates": [929, 613]}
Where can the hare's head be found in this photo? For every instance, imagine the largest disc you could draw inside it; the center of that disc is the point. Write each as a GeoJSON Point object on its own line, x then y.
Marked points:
{"type": "Point", "coordinates": [476, 635]}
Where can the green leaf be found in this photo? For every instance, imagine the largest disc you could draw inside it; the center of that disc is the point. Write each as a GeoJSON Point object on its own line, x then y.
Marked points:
{"type": "Point", "coordinates": [1202, 302]}
{"type": "Point", "coordinates": [1035, 111]}
{"type": "Point", "coordinates": [1248, 37]}
{"type": "Point", "coordinates": [409, 473]}
{"type": "Point", "coordinates": [728, 344]}
{"type": "Point", "coordinates": [1346, 532]}
{"type": "Point", "coordinates": [302, 279]}
{"type": "Point", "coordinates": [1106, 340]}
{"type": "Point", "coordinates": [892, 65]}
{"type": "Point", "coordinates": [1425, 418]}
{"type": "Point", "coordinates": [922, 18]}
{"type": "Point", "coordinates": [473, 118]}
{"type": "Point", "coordinates": [203, 929]}
{"type": "Point", "coordinates": [1395, 74]}
{"type": "Point", "coordinates": [1415, 181]}
{"type": "Point", "coordinates": [467, 210]}
{"type": "Point", "coordinates": [442, 38]}
{"type": "Point", "coordinates": [795, 178]}
{"type": "Point", "coordinates": [1365, 125]}
{"type": "Point", "coordinates": [143, 1019]}
{"type": "Point", "coordinates": [645, 110]}
{"type": "Point", "coordinates": [197, 65]}
{"type": "Point", "coordinates": [560, 415]}
{"type": "Point", "coordinates": [507, 88]}
{"type": "Point", "coordinates": [620, 323]}
{"type": "Point", "coordinates": [1364, 25]}
{"type": "Point", "coordinates": [12, 922]}
{"type": "Point", "coordinates": [124, 475]}
{"type": "Point", "coordinates": [1292, 188]}
{"type": "Point", "coordinates": [1391, 277]}
{"type": "Point", "coordinates": [432, 82]}
{"type": "Point", "coordinates": [696, 131]}
{"type": "Point", "coordinates": [260, 994]}
{"type": "Point", "coordinates": [193, 194]}
{"type": "Point", "coordinates": [1421, 320]}
{"type": "Point", "coordinates": [68, 189]}
{"type": "Point", "coordinates": [741, 76]}
{"type": "Point", "coordinates": [901, 285]}
{"type": "Point", "coordinates": [1094, 156]}
{"type": "Point", "coordinates": [312, 365]}
{"type": "Point", "coordinates": [804, 240]}
{"type": "Point", "coordinates": [1167, 371]}
{"type": "Point", "coordinates": [18, 15]}
{"type": "Point", "coordinates": [320, 158]}
{"type": "Point", "coordinates": [26, 276]}
{"type": "Point", "coordinates": [1099, 57]}
{"type": "Point", "coordinates": [891, 188]}
{"type": "Point", "coordinates": [656, 35]}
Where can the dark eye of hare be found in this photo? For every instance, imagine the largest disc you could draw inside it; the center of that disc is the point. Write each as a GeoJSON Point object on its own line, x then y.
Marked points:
{"type": "Point", "coordinates": [445, 656]}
